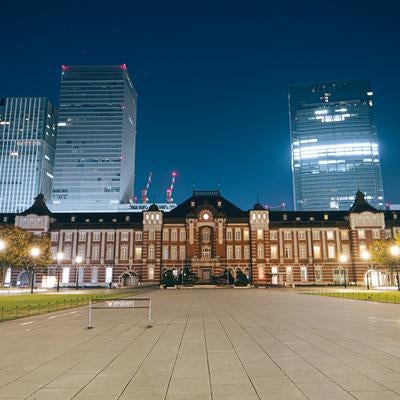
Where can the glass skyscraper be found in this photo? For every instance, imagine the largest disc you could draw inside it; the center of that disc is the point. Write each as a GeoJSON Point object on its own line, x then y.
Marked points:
{"type": "Point", "coordinates": [95, 156]}
{"type": "Point", "coordinates": [334, 145]}
{"type": "Point", "coordinates": [28, 130]}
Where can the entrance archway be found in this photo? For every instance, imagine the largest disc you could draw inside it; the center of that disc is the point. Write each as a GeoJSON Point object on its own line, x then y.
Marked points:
{"type": "Point", "coordinates": [128, 278]}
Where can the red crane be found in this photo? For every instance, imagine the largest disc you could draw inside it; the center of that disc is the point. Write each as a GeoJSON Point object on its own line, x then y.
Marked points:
{"type": "Point", "coordinates": [146, 189]}
{"type": "Point", "coordinates": [171, 188]}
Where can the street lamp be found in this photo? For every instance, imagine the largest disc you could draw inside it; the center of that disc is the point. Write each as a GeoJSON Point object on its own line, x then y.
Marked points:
{"type": "Point", "coordinates": [365, 255]}
{"type": "Point", "coordinates": [59, 258]}
{"type": "Point", "coordinates": [78, 260]}
{"type": "Point", "coordinates": [35, 253]}
{"type": "Point", "coordinates": [343, 259]}
{"type": "Point", "coordinates": [395, 252]}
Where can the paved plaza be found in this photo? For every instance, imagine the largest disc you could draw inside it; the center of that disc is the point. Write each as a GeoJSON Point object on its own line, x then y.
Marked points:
{"type": "Point", "coordinates": [208, 344]}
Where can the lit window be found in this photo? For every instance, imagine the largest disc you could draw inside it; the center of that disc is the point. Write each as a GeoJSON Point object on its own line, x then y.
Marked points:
{"type": "Point", "coordinates": [361, 234]}
{"type": "Point", "coordinates": [330, 235]}
{"type": "Point", "coordinates": [331, 251]}
{"type": "Point", "coordinates": [317, 251]}
{"type": "Point", "coordinates": [138, 252]}
{"type": "Point", "coordinates": [260, 251]}
{"type": "Point", "coordinates": [229, 234]}
{"type": "Point", "coordinates": [274, 252]}
{"type": "Point", "coordinates": [303, 274]}
{"type": "Point", "coordinates": [288, 251]}
{"type": "Point", "coordinates": [151, 252]}
{"type": "Point", "coordinates": [287, 235]}
{"type": "Point", "coordinates": [238, 252]}
{"type": "Point", "coordinates": [260, 234]}
{"type": "Point", "coordinates": [165, 252]}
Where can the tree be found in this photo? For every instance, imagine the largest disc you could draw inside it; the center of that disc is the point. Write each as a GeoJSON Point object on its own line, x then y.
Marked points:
{"type": "Point", "coordinates": [17, 252]}
{"type": "Point", "coordinates": [381, 255]}
{"type": "Point", "coordinates": [168, 279]}
{"type": "Point", "coordinates": [241, 278]}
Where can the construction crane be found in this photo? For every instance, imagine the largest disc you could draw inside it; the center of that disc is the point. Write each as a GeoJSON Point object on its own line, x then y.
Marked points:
{"type": "Point", "coordinates": [171, 188]}
{"type": "Point", "coordinates": [146, 190]}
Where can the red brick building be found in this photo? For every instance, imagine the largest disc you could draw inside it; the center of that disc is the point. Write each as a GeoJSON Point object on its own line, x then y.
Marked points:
{"type": "Point", "coordinates": [209, 234]}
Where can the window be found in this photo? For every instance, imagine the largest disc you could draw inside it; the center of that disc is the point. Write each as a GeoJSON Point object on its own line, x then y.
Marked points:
{"type": "Point", "coordinates": [151, 252]}
{"type": "Point", "coordinates": [138, 252]}
{"type": "Point", "coordinates": [229, 234]}
{"type": "Point", "coordinates": [152, 235]}
{"type": "Point", "coordinates": [274, 235]}
{"type": "Point", "coordinates": [331, 251]}
{"type": "Point", "coordinates": [376, 234]}
{"type": "Point", "coordinates": [274, 252]}
{"type": "Point", "coordinates": [317, 251]}
{"type": "Point", "coordinates": [54, 252]}
{"type": "Point", "coordinates": [138, 236]}
{"type": "Point", "coordinates": [206, 234]}
{"type": "Point", "coordinates": [174, 235]}
{"type": "Point", "coordinates": [109, 274]}
{"type": "Point", "coordinates": [245, 234]}
{"type": "Point", "coordinates": [303, 274]}
{"type": "Point", "coordinates": [68, 236]}
{"type": "Point", "coordinates": [82, 236]}
{"type": "Point", "coordinates": [182, 235]}
{"type": "Point", "coordinates": [124, 236]}
{"type": "Point", "coordinates": [65, 275]}
{"type": "Point", "coordinates": [94, 275]}
{"type": "Point", "coordinates": [109, 252]}
{"type": "Point", "coordinates": [229, 252]}
{"type": "Point", "coordinates": [124, 252]}
{"type": "Point", "coordinates": [330, 235]}
{"type": "Point", "coordinates": [67, 252]}
{"type": "Point", "coordinates": [165, 252]}
{"type": "Point", "coordinates": [238, 234]}
{"type": "Point", "coordinates": [346, 250]}
{"type": "Point", "coordinates": [182, 252]}
{"type": "Point", "coordinates": [363, 249]}
{"type": "Point", "coordinates": [289, 274]}
{"type": "Point", "coordinates": [165, 236]}
{"type": "Point", "coordinates": [361, 234]}
{"type": "Point", "coordinates": [318, 273]}
{"type": "Point", "coordinates": [302, 235]}
{"type": "Point", "coordinates": [288, 251]}
{"type": "Point", "coordinates": [316, 235]}
{"type": "Point", "coordinates": [260, 234]}
{"type": "Point", "coordinates": [110, 236]}
{"type": "Point", "coordinates": [95, 252]}
{"type": "Point", "coordinates": [302, 252]}
{"type": "Point", "coordinates": [287, 235]}
{"type": "Point", "coordinates": [150, 273]}
{"type": "Point", "coordinates": [206, 252]}
{"type": "Point", "coordinates": [260, 251]}
{"type": "Point", "coordinates": [54, 236]}
{"type": "Point", "coordinates": [260, 272]}
{"type": "Point", "coordinates": [82, 251]}
{"type": "Point", "coordinates": [339, 276]}
{"type": "Point", "coordinates": [246, 252]}
{"type": "Point", "coordinates": [238, 252]}
{"type": "Point", "coordinates": [388, 234]}
{"type": "Point", "coordinates": [96, 236]}
{"type": "Point", "coordinates": [174, 253]}
{"type": "Point", "coordinates": [344, 235]}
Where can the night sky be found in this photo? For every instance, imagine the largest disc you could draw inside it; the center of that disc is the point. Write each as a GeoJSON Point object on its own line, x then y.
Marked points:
{"type": "Point", "coordinates": [212, 79]}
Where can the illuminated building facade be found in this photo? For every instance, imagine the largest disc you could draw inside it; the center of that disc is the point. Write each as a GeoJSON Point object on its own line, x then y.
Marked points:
{"type": "Point", "coordinates": [208, 234]}
{"type": "Point", "coordinates": [334, 145]}
{"type": "Point", "coordinates": [28, 130]}
{"type": "Point", "coordinates": [95, 156]}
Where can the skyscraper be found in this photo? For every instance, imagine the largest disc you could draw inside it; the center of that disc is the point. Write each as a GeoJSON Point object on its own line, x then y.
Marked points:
{"type": "Point", "coordinates": [28, 129]}
{"type": "Point", "coordinates": [334, 145]}
{"type": "Point", "coordinates": [95, 157]}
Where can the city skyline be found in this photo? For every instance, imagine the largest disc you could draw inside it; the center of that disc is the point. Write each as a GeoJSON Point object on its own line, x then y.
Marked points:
{"type": "Point", "coordinates": [213, 102]}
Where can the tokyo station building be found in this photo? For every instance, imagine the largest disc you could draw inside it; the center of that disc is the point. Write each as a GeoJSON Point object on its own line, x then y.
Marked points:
{"type": "Point", "coordinates": [208, 234]}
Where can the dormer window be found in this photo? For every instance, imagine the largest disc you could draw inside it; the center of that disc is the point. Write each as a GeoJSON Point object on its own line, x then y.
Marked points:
{"type": "Point", "coordinates": [127, 218]}
{"type": "Point", "coordinates": [192, 203]}
{"type": "Point", "coordinates": [285, 217]}
{"type": "Point", "coordinates": [219, 204]}
{"type": "Point", "coordinates": [326, 217]}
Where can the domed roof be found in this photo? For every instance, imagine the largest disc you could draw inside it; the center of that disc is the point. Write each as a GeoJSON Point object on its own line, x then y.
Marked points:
{"type": "Point", "coordinates": [258, 207]}
{"type": "Point", "coordinates": [361, 205]}
{"type": "Point", "coordinates": [153, 207]}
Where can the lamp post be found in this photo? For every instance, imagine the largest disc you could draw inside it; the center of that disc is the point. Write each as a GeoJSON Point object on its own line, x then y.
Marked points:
{"type": "Point", "coordinates": [78, 260]}
{"type": "Point", "coordinates": [366, 256]}
{"type": "Point", "coordinates": [395, 252]}
{"type": "Point", "coordinates": [343, 259]}
{"type": "Point", "coordinates": [59, 258]}
{"type": "Point", "coordinates": [35, 252]}
{"type": "Point", "coordinates": [2, 248]}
